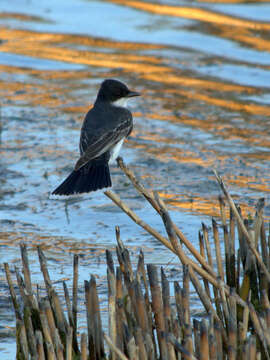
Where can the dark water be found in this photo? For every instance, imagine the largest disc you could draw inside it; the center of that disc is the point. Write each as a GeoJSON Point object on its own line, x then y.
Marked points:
{"type": "Point", "coordinates": [204, 71]}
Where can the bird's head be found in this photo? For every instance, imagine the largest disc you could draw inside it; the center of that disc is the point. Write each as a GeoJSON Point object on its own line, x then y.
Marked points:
{"type": "Point", "coordinates": [115, 92]}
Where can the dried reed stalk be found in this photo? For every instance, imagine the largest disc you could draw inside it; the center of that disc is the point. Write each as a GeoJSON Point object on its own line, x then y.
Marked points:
{"type": "Point", "coordinates": [145, 320]}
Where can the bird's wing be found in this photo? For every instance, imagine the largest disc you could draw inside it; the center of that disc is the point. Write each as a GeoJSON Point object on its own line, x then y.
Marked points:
{"type": "Point", "coordinates": [103, 143]}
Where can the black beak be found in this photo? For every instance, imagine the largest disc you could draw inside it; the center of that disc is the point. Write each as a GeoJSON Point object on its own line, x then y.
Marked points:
{"type": "Point", "coordinates": [133, 93]}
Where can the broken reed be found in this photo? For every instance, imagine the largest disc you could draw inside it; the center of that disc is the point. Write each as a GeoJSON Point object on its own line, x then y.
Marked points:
{"type": "Point", "coordinates": [147, 320]}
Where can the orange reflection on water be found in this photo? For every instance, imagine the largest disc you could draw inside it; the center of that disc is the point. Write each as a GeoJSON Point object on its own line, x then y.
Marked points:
{"type": "Point", "coordinates": [223, 24]}
{"type": "Point", "coordinates": [220, 127]}
{"type": "Point", "coordinates": [226, 103]}
{"type": "Point", "coordinates": [17, 16]}
{"type": "Point", "coordinates": [181, 79]}
{"type": "Point", "coordinates": [200, 205]}
{"type": "Point", "coordinates": [56, 245]}
{"type": "Point", "coordinates": [245, 36]}
{"type": "Point", "coordinates": [40, 46]}
{"type": "Point", "coordinates": [193, 14]}
{"type": "Point", "coordinates": [33, 94]}
{"type": "Point", "coordinates": [164, 153]}
{"type": "Point", "coordinates": [232, 1]}
{"type": "Point", "coordinates": [249, 182]}
{"type": "Point", "coordinates": [148, 67]}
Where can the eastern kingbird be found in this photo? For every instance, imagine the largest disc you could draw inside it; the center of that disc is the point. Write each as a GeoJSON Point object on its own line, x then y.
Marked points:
{"type": "Point", "coordinates": [103, 132]}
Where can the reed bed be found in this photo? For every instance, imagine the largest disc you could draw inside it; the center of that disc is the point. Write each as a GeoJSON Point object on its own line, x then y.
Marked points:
{"type": "Point", "coordinates": [148, 318]}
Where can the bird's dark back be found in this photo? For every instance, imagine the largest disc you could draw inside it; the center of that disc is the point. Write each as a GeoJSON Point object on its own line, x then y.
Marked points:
{"type": "Point", "coordinates": [103, 118]}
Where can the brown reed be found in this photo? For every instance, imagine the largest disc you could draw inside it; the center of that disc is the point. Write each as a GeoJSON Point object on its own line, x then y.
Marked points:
{"type": "Point", "coordinates": [145, 320]}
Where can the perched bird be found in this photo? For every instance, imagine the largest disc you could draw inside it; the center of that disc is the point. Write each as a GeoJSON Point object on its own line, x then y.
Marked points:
{"type": "Point", "coordinates": [103, 132]}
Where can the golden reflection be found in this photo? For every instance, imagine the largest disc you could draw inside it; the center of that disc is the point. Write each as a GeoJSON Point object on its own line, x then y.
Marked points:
{"type": "Point", "coordinates": [28, 43]}
{"type": "Point", "coordinates": [252, 40]}
{"type": "Point", "coordinates": [233, 105]}
{"type": "Point", "coordinates": [55, 38]}
{"type": "Point", "coordinates": [213, 125]}
{"type": "Point", "coordinates": [17, 16]}
{"type": "Point", "coordinates": [233, 1]}
{"type": "Point", "coordinates": [33, 93]}
{"type": "Point", "coordinates": [224, 24]}
{"type": "Point", "coordinates": [165, 153]}
{"type": "Point", "coordinates": [200, 205]}
{"type": "Point", "coordinates": [249, 182]}
{"type": "Point", "coordinates": [245, 36]}
{"type": "Point", "coordinates": [146, 66]}
{"type": "Point", "coordinates": [182, 80]}
{"type": "Point", "coordinates": [193, 13]}
{"type": "Point", "coordinates": [56, 245]}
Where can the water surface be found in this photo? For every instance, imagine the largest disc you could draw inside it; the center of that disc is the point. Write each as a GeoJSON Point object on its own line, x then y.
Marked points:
{"type": "Point", "coordinates": [203, 69]}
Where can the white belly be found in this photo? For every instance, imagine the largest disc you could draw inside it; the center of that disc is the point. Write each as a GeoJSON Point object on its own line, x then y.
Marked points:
{"type": "Point", "coordinates": [115, 151]}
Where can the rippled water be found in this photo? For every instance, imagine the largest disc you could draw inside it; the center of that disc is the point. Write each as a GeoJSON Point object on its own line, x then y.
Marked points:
{"type": "Point", "coordinates": [204, 70]}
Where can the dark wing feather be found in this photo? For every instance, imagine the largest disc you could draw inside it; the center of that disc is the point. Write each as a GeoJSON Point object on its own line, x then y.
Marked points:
{"type": "Point", "coordinates": [103, 143]}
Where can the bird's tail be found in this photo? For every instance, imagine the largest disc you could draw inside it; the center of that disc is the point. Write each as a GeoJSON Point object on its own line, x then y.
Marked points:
{"type": "Point", "coordinates": [88, 178]}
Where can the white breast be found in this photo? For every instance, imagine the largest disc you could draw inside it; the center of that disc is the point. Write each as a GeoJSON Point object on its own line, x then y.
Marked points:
{"type": "Point", "coordinates": [115, 151]}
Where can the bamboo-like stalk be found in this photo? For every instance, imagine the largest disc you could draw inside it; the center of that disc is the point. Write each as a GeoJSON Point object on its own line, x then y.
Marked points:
{"type": "Point", "coordinates": [213, 350]}
{"type": "Point", "coordinates": [232, 338]}
{"type": "Point", "coordinates": [141, 309]}
{"type": "Point", "coordinates": [177, 245]}
{"type": "Point", "coordinates": [116, 199]}
{"type": "Point", "coordinates": [91, 349]}
{"type": "Point", "coordinates": [40, 349]}
{"type": "Point", "coordinates": [188, 343]}
{"type": "Point", "coordinates": [147, 322]}
{"type": "Point", "coordinates": [178, 347]}
{"type": "Point", "coordinates": [218, 250]}
{"type": "Point", "coordinates": [218, 337]}
{"type": "Point", "coordinates": [58, 312]}
{"type": "Point", "coordinates": [68, 304]}
{"type": "Point", "coordinates": [232, 250]}
{"type": "Point", "coordinates": [69, 344]}
{"type": "Point", "coordinates": [185, 295]}
{"type": "Point", "coordinates": [211, 263]}
{"type": "Point", "coordinates": [45, 328]}
{"type": "Point", "coordinates": [83, 346]}
{"type": "Point", "coordinates": [120, 314]}
{"type": "Point", "coordinates": [59, 349]}
{"type": "Point", "coordinates": [50, 352]}
{"type": "Point", "coordinates": [26, 270]}
{"type": "Point", "coordinates": [167, 311]}
{"type": "Point", "coordinates": [141, 271]}
{"type": "Point", "coordinates": [132, 349]}
{"type": "Point", "coordinates": [114, 349]}
{"type": "Point", "coordinates": [31, 340]}
{"type": "Point", "coordinates": [75, 301]}
{"type": "Point", "coordinates": [157, 307]}
{"type": "Point", "coordinates": [142, 354]}
{"type": "Point", "coordinates": [243, 227]}
{"type": "Point", "coordinates": [111, 303]}
{"type": "Point", "coordinates": [207, 303]}
{"type": "Point", "coordinates": [207, 275]}
{"type": "Point", "coordinates": [202, 252]}
{"type": "Point", "coordinates": [204, 346]}
{"type": "Point", "coordinates": [12, 292]}
{"type": "Point", "coordinates": [49, 315]}
{"type": "Point", "coordinates": [259, 331]}
{"type": "Point", "coordinates": [96, 320]}
{"type": "Point", "coordinates": [22, 338]}
{"type": "Point", "coordinates": [151, 199]}
{"type": "Point", "coordinates": [251, 350]}
{"type": "Point", "coordinates": [44, 269]}
{"type": "Point", "coordinates": [178, 303]}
